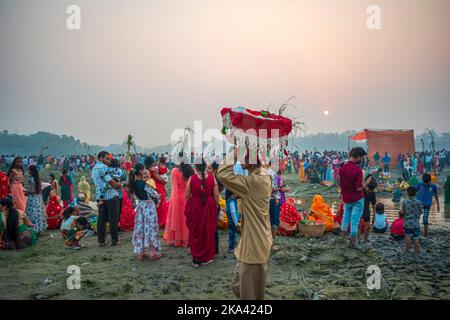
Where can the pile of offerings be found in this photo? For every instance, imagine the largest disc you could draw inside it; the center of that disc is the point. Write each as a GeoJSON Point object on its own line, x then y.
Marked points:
{"type": "Point", "coordinates": [385, 187]}
{"type": "Point", "coordinates": [320, 219]}
{"type": "Point", "coordinates": [222, 221]}
{"type": "Point", "coordinates": [328, 184]}
{"type": "Point", "coordinates": [311, 228]}
{"type": "Point", "coordinates": [401, 184]}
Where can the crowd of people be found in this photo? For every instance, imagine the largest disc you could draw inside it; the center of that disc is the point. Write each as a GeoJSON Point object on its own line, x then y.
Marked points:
{"type": "Point", "coordinates": [72, 163]}
{"type": "Point", "coordinates": [358, 197]}
{"type": "Point", "coordinates": [130, 194]}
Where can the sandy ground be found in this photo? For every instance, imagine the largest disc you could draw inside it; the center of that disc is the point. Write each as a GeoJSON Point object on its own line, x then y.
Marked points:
{"type": "Point", "coordinates": [302, 269]}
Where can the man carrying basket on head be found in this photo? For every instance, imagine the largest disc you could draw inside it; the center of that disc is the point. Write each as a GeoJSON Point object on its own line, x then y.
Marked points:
{"type": "Point", "coordinates": [254, 190]}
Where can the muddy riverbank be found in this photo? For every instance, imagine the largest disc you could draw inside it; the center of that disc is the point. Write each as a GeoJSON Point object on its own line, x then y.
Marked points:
{"type": "Point", "coordinates": [302, 268]}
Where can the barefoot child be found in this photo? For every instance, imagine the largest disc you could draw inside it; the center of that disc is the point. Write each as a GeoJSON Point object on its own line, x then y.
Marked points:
{"type": "Point", "coordinates": [412, 208]}
{"type": "Point", "coordinates": [380, 223]}
{"type": "Point", "coordinates": [146, 232]}
{"type": "Point", "coordinates": [233, 219]}
{"type": "Point", "coordinates": [73, 228]}
{"type": "Point", "coordinates": [427, 190]}
{"type": "Point", "coordinates": [397, 227]}
{"type": "Point", "coordinates": [370, 200]}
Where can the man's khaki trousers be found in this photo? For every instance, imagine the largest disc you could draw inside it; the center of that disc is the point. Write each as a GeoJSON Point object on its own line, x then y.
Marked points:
{"type": "Point", "coordinates": [249, 281]}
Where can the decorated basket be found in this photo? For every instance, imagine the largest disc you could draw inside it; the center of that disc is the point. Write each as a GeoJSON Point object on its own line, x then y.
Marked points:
{"type": "Point", "coordinates": [311, 230]}
{"type": "Point", "coordinates": [256, 130]}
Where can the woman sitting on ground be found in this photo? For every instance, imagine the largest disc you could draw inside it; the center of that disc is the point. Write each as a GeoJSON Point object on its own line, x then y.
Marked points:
{"type": "Point", "coordinates": [18, 230]}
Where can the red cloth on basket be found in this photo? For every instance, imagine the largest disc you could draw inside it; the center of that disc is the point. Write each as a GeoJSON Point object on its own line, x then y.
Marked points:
{"type": "Point", "coordinates": [245, 119]}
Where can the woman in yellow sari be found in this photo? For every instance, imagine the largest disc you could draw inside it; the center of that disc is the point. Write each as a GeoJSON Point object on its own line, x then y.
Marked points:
{"type": "Point", "coordinates": [301, 172]}
{"type": "Point", "coordinates": [84, 187]}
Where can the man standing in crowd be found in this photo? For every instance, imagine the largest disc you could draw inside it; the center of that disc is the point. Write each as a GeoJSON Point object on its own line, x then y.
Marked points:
{"type": "Point", "coordinates": [376, 157]}
{"type": "Point", "coordinates": [252, 253]}
{"type": "Point", "coordinates": [107, 199]}
{"type": "Point", "coordinates": [386, 162]}
{"type": "Point", "coordinates": [350, 179]}
{"type": "Point", "coordinates": [426, 192]}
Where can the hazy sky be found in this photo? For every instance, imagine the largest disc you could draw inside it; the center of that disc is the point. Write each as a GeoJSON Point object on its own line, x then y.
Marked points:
{"type": "Point", "coordinates": [148, 67]}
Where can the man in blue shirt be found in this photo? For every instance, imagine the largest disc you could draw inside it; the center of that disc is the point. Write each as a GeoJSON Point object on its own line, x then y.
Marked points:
{"type": "Point", "coordinates": [108, 199]}
{"type": "Point", "coordinates": [425, 193]}
{"type": "Point", "coordinates": [386, 162]}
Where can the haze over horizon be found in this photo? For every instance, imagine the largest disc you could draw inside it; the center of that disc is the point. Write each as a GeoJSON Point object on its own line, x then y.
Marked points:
{"type": "Point", "coordinates": [148, 67]}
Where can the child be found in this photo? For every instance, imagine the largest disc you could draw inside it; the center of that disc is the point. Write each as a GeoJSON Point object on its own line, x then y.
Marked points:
{"type": "Point", "coordinates": [162, 169]}
{"type": "Point", "coordinates": [146, 176]}
{"type": "Point", "coordinates": [146, 232]}
{"type": "Point", "coordinates": [233, 219]}
{"type": "Point", "coordinates": [426, 191]}
{"type": "Point", "coordinates": [84, 208]}
{"type": "Point", "coordinates": [397, 227]}
{"type": "Point", "coordinates": [370, 200]}
{"type": "Point", "coordinates": [73, 227]}
{"type": "Point", "coordinates": [412, 208]}
{"type": "Point", "coordinates": [73, 233]}
{"type": "Point", "coordinates": [397, 195]}
{"type": "Point", "coordinates": [283, 188]}
{"type": "Point", "coordinates": [402, 184]}
{"type": "Point", "coordinates": [380, 223]}
{"type": "Point", "coordinates": [119, 176]}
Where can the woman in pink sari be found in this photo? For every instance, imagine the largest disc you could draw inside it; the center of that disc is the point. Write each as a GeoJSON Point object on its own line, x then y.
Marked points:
{"type": "Point", "coordinates": [202, 194]}
{"type": "Point", "coordinates": [176, 232]}
{"type": "Point", "coordinates": [16, 178]}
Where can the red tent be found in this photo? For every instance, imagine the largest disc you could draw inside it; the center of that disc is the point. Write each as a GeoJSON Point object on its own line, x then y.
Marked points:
{"type": "Point", "coordinates": [394, 142]}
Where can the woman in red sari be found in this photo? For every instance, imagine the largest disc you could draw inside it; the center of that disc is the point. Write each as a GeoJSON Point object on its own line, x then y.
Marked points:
{"type": "Point", "coordinates": [202, 195]}
{"type": "Point", "coordinates": [127, 215]}
{"type": "Point", "coordinates": [159, 175]}
{"type": "Point", "coordinates": [53, 211]}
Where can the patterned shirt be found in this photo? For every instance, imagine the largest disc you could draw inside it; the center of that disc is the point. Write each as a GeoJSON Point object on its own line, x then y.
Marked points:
{"type": "Point", "coordinates": [275, 187]}
{"type": "Point", "coordinates": [412, 209]}
{"type": "Point", "coordinates": [101, 177]}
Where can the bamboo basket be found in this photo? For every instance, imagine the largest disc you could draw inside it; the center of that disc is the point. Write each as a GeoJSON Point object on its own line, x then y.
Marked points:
{"type": "Point", "coordinates": [311, 230]}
